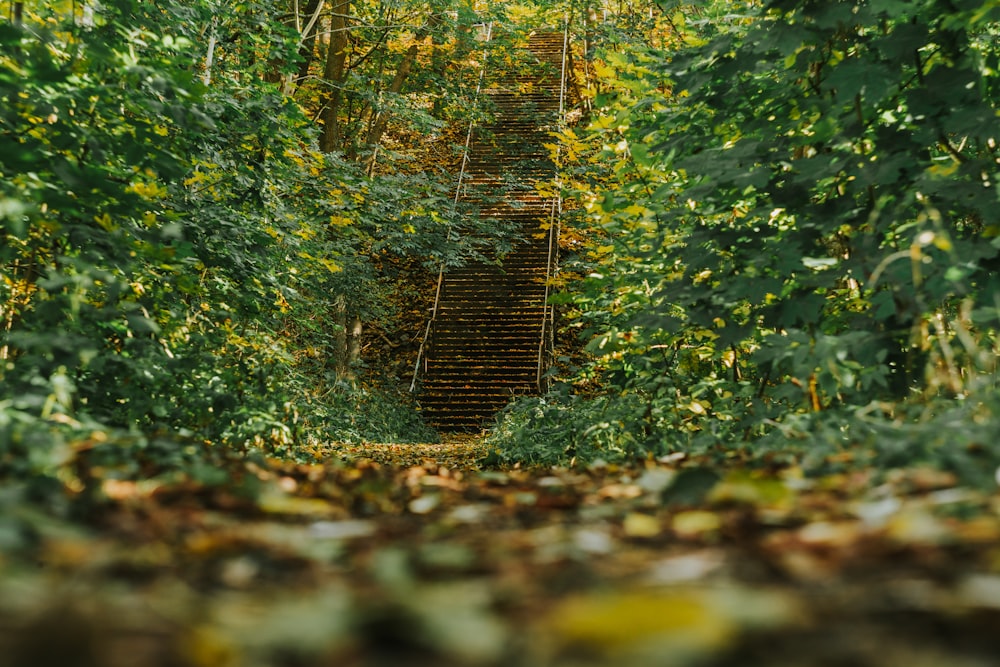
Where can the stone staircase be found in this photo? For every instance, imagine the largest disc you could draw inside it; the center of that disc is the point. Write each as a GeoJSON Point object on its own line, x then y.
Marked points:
{"type": "Point", "coordinates": [486, 338]}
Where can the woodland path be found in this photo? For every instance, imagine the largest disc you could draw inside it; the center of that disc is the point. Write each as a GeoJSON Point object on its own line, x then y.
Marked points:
{"type": "Point", "coordinates": [457, 451]}
{"type": "Point", "coordinates": [384, 561]}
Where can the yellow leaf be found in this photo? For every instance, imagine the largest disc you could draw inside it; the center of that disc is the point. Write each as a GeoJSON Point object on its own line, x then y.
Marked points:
{"type": "Point", "coordinates": [603, 71]}
{"type": "Point", "coordinates": [943, 171]}
{"type": "Point", "coordinates": [279, 503]}
{"type": "Point", "coordinates": [206, 648]}
{"type": "Point", "coordinates": [704, 334]}
{"type": "Point", "coordinates": [641, 525]}
{"type": "Point", "coordinates": [632, 621]}
{"type": "Point", "coordinates": [326, 263]}
{"type": "Point", "coordinates": [942, 243]}
{"type": "Point", "coordinates": [741, 488]}
{"type": "Point", "coordinates": [702, 277]}
{"type": "Point", "coordinates": [106, 223]}
{"type": "Point", "coordinates": [148, 191]}
{"type": "Point", "coordinates": [696, 408]}
{"type": "Point", "coordinates": [696, 523]}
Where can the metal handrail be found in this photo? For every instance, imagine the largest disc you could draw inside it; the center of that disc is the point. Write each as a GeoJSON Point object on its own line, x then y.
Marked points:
{"type": "Point", "coordinates": [458, 194]}
{"type": "Point", "coordinates": [555, 213]}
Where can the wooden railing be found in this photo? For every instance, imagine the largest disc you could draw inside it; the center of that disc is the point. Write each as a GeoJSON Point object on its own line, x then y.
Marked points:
{"type": "Point", "coordinates": [547, 337]}
{"type": "Point", "coordinates": [488, 27]}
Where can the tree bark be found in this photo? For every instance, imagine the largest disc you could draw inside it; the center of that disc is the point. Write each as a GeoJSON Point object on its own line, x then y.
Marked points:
{"type": "Point", "coordinates": [206, 78]}
{"type": "Point", "coordinates": [307, 44]}
{"type": "Point", "coordinates": [346, 338]}
{"type": "Point", "coordinates": [354, 342]}
{"type": "Point", "coordinates": [333, 74]}
{"type": "Point", "coordinates": [339, 351]}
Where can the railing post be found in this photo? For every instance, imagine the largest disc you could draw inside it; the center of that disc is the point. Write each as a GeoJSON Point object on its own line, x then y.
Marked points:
{"type": "Point", "coordinates": [555, 213]}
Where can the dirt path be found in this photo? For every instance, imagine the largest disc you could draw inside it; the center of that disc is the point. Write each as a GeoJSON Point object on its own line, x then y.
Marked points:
{"type": "Point", "coordinates": [459, 452]}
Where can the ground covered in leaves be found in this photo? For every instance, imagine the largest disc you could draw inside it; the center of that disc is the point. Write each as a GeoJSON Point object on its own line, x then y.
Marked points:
{"type": "Point", "coordinates": [411, 555]}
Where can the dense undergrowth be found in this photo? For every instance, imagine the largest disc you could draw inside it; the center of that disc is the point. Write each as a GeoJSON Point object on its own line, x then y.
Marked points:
{"type": "Point", "coordinates": [782, 240]}
{"type": "Point", "coordinates": [181, 262]}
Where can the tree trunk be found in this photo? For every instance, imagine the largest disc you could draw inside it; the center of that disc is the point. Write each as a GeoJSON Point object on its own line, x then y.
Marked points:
{"type": "Point", "coordinates": [339, 351]}
{"type": "Point", "coordinates": [336, 68]}
{"type": "Point", "coordinates": [206, 78]}
{"type": "Point", "coordinates": [346, 348]}
{"type": "Point", "coordinates": [382, 118]}
{"type": "Point", "coordinates": [353, 342]}
{"type": "Point", "coordinates": [307, 41]}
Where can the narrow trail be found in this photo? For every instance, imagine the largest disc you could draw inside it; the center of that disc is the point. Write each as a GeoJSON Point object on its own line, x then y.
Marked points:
{"type": "Point", "coordinates": [458, 451]}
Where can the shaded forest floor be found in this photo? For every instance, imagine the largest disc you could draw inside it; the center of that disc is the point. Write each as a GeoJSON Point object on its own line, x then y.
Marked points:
{"type": "Point", "coordinates": [411, 555]}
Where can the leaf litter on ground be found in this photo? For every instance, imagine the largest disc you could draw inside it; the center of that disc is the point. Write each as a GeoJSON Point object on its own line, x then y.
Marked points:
{"type": "Point", "coordinates": [413, 555]}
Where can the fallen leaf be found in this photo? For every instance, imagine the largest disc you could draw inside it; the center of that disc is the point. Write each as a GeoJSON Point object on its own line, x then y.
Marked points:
{"type": "Point", "coordinates": [275, 502]}
{"type": "Point", "coordinates": [685, 568]}
{"type": "Point", "coordinates": [675, 624]}
{"type": "Point", "coordinates": [656, 480]}
{"type": "Point", "coordinates": [829, 534]}
{"type": "Point", "coordinates": [619, 491]}
{"type": "Point", "coordinates": [594, 540]}
{"type": "Point", "coordinates": [641, 525]}
{"type": "Point", "coordinates": [342, 530]}
{"type": "Point", "coordinates": [917, 526]}
{"type": "Point", "coordinates": [981, 591]}
{"type": "Point", "coordinates": [695, 523]}
{"type": "Point", "coordinates": [424, 504]}
{"type": "Point", "coordinates": [745, 488]}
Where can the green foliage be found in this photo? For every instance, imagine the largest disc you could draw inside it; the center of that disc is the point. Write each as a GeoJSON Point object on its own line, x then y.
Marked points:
{"type": "Point", "coordinates": [378, 412]}
{"type": "Point", "coordinates": [788, 213]}
{"type": "Point", "coordinates": [562, 427]}
{"type": "Point", "coordinates": [120, 277]}
{"type": "Point", "coordinates": [177, 256]}
{"type": "Point", "coordinates": [825, 195]}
